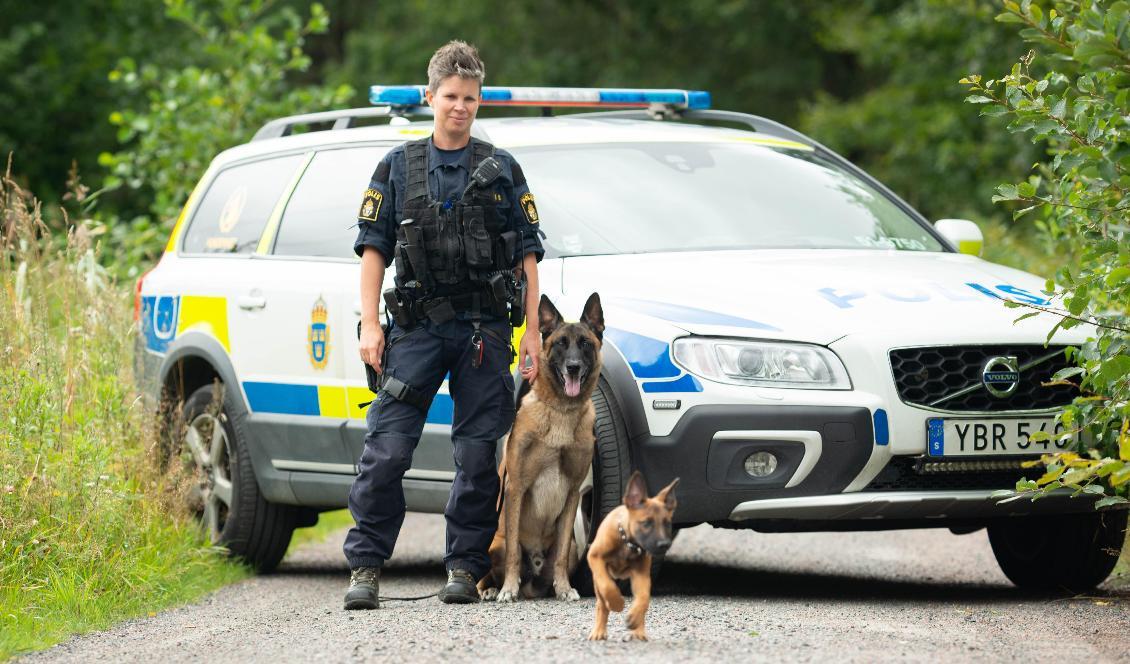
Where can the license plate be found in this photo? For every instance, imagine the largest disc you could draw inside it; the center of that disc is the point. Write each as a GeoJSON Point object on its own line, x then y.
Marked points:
{"type": "Point", "coordinates": [992, 437]}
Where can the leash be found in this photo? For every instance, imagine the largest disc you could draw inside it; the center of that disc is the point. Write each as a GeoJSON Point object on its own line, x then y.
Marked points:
{"type": "Point", "coordinates": [406, 599]}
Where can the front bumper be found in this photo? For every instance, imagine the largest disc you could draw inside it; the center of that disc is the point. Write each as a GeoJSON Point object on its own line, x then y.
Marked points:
{"type": "Point", "coordinates": [829, 469]}
{"type": "Point", "coordinates": [821, 449]}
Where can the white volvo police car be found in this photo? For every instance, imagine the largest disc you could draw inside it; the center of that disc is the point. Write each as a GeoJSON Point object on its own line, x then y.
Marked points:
{"type": "Point", "coordinates": [784, 333]}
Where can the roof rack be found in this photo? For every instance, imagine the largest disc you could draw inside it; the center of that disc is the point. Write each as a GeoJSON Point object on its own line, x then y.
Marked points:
{"type": "Point", "coordinates": [342, 119]}
{"type": "Point", "coordinates": [754, 122]}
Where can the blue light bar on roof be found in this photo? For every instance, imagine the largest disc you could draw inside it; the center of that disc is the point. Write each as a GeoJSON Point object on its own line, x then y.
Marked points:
{"type": "Point", "coordinates": [413, 95]}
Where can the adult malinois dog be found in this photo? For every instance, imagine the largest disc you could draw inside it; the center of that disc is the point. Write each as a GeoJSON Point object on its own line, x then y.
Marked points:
{"type": "Point", "coordinates": [622, 549]}
{"type": "Point", "coordinates": [545, 459]}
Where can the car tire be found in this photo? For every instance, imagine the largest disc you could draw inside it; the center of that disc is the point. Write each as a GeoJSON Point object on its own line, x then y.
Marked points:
{"type": "Point", "coordinates": [611, 466]}
{"type": "Point", "coordinates": [1063, 553]}
{"type": "Point", "coordinates": [225, 494]}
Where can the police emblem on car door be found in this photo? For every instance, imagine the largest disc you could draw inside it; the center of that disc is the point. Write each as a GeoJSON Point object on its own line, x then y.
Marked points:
{"type": "Point", "coordinates": [319, 336]}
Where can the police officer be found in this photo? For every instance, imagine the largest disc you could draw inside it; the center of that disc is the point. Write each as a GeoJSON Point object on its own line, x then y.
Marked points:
{"type": "Point", "coordinates": [462, 253]}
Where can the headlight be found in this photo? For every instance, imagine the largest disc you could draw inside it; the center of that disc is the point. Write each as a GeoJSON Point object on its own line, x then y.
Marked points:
{"type": "Point", "coordinates": [762, 363]}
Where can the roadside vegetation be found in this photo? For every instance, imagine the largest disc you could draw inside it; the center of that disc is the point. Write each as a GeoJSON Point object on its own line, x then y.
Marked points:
{"type": "Point", "coordinates": [92, 529]}
{"type": "Point", "coordinates": [91, 532]}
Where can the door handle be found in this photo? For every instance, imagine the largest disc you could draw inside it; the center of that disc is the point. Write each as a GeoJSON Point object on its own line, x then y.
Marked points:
{"type": "Point", "coordinates": [251, 302]}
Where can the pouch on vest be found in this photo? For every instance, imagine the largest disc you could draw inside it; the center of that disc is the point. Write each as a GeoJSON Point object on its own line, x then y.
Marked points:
{"type": "Point", "coordinates": [476, 240]}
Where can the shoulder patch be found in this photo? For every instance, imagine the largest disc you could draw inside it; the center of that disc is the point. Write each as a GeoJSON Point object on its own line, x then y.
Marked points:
{"type": "Point", "coordinates": [528, 207]}
{"type": "Point", "coordinates": [371, 205]}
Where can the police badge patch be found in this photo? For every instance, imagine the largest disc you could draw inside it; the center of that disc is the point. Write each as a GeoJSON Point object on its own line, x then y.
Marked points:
{"type": "Point", "coordinates": [318, 335]}
{"type": "Point", "coordinates": [371, 206]}
{"type": "Point", "coordinates": [527, 202]}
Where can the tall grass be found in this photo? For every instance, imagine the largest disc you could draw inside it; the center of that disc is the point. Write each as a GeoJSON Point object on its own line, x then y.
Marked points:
{"type": "Point", "coordinates": [90, 531]}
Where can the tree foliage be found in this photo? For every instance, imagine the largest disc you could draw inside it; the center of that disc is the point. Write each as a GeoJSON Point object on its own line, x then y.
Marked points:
{"type": "Point", "coordinates": [237, 78]}
{"type": "Point", "coordinates": [55, 99]}
{"type": "Point", "coordinates": [1079, 108]}
{"type": "Point", "coordinates": [904, 121]}
{"type": "Point", "coordinates": [759, 57]}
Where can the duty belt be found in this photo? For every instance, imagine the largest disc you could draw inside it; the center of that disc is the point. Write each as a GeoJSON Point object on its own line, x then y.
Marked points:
{"type": "Point", "coordinates": [445, 307]}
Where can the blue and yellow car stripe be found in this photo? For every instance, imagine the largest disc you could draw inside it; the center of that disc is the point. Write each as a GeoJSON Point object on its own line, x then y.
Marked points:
{"type": "Point", "coordinates": [166, 317]}
{"type": "Point", "coordinates": [334, 401]}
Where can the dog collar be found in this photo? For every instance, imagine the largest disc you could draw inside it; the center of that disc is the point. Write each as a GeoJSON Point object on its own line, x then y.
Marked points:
{"type": "Point", "coordinates": [633, 548]}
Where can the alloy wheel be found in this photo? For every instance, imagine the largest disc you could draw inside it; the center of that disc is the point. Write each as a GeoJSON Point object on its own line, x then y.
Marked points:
{"type": "Point", "coordinates": [207, 440]}
{"type": "Point", "coordinates": [582, 524]}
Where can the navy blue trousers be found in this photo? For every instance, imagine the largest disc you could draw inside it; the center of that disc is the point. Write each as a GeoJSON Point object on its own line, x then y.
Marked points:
{"type": "Point", "coordinates": [483, 401]}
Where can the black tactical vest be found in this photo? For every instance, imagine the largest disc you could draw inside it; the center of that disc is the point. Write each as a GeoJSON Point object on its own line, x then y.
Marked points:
{"type": "Point", "coordinates": [463, 243]}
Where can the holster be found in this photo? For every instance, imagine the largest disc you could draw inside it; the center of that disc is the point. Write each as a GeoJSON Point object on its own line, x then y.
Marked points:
{"type": "Point", "coordinates": [398, 308]}
{"type": "Point", "coordinates": [395, 387]}
{"type": "Point", "coordinates": [371, 376]}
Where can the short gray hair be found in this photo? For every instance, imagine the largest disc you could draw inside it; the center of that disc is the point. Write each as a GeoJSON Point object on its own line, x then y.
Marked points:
{"type": "Point", "coordinates": [455, 58]}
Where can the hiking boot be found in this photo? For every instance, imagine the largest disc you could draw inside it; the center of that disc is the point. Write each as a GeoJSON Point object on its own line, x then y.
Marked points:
{"type": "Point", "coordinates": [364, 583]}
{"type": "Point", "coordinates": [460, 588]}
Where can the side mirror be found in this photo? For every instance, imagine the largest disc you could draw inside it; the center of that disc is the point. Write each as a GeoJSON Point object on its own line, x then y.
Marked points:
{"type": "Point", "coordinates": [963, 234]}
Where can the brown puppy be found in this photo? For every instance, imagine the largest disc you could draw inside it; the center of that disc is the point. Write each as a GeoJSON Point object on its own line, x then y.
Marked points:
{"type": "Point", "coordinates": [622, 549]}
{"type": "Point", "coordinates": [545, 460]}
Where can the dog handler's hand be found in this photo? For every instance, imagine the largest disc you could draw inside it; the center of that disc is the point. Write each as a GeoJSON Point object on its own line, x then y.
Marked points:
{"type": "Point", "coordinates": [530, 346]}
{"type": "Point", "coordinates": [372, 345]}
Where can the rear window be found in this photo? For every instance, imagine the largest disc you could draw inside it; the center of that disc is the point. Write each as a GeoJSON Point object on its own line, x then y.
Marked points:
{"type": "Point", "coordinates": [321, 216]}
{"type": "Point", "coordinates": [237, 205]}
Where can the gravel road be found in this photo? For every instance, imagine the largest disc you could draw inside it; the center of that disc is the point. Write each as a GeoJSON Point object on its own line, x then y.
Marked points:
{"type": "Point", "coordinates": [724, 595]}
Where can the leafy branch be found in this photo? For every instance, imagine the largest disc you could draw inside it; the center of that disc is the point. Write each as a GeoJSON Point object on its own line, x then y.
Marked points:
{"type": "Point", "coordinates": [1077, 107]}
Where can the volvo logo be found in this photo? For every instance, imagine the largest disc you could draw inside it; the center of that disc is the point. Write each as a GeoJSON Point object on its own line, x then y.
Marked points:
{"type": "Point", "coordinates": [1001, 376]}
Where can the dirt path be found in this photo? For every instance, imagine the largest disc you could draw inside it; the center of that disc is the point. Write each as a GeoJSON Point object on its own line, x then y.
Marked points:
{"type": "Point", "coordinates": [724, 596]}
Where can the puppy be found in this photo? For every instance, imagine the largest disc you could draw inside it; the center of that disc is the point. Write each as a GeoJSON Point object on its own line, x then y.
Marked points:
{"type": "Point", "coordinates": [546, 457]}
{"type": "Point", "coordinates": [622, 549]}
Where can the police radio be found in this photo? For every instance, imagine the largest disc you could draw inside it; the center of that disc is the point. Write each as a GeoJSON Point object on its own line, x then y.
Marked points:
{"type": "Point", "coordinates": [489, 169]}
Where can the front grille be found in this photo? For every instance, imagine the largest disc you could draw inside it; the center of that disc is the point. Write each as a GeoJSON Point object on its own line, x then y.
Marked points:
{"type": "Point", "coordinates": [925, 375]}
{"type": "Point", "coordinates": [916, 474]}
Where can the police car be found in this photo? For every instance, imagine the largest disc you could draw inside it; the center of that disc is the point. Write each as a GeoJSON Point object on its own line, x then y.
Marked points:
{"type": "Point", "coordinates": [784, 333]}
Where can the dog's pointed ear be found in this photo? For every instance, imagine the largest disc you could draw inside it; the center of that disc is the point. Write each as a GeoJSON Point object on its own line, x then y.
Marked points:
{"type": "Point", "coordinates": [593, 316]}
{"type": "Point", "coordinates": [667, 495]}
{"type": "Point", "coordinates": [549, 319]}
{"type": "Point", "coordinates": [636, 493]}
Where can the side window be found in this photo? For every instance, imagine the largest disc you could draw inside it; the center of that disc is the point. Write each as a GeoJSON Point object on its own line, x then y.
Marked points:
{"type": "Point", "coordinates": [321, 216]}
{"type": "Point", "coordinates": [237, 205]}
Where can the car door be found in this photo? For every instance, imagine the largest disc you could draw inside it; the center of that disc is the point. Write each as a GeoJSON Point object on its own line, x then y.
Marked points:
{"type": "Point", "coordinates": [286, 327]}
{"type": "Point", "coordinates": [314, 246]}
{"type": "Point", "coordinates": [216, 271]}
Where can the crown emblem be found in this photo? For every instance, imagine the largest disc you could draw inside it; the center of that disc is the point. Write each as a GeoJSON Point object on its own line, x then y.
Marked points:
{"type": "Point", "coordinates": [318, 335]}
{"type": "Point", "coordinates": [319, 314]}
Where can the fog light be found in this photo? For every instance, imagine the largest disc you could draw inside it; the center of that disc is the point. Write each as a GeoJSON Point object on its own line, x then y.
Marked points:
{"type": "Point", "coordinates": [760, 464]}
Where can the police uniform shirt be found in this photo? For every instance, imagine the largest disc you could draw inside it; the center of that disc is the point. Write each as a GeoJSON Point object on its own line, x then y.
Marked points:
{"type": "Point", "coordinates": [448, 173]}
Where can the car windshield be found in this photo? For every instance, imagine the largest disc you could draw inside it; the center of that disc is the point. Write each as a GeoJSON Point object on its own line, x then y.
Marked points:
{"type": "Point", "coordinates": [681, 196]}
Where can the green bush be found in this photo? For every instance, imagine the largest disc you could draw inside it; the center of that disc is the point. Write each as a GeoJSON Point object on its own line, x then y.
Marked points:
{"type": "Point", "coordinates": [903, 120]}
{"type": "Point", "coordinates": [239, 75]}
{"type": "Point", "coordinates": [1079, 196]}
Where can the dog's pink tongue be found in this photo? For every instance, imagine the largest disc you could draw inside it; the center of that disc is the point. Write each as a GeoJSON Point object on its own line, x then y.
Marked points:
{"type": "Point", "coordinates": [572, 385]}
